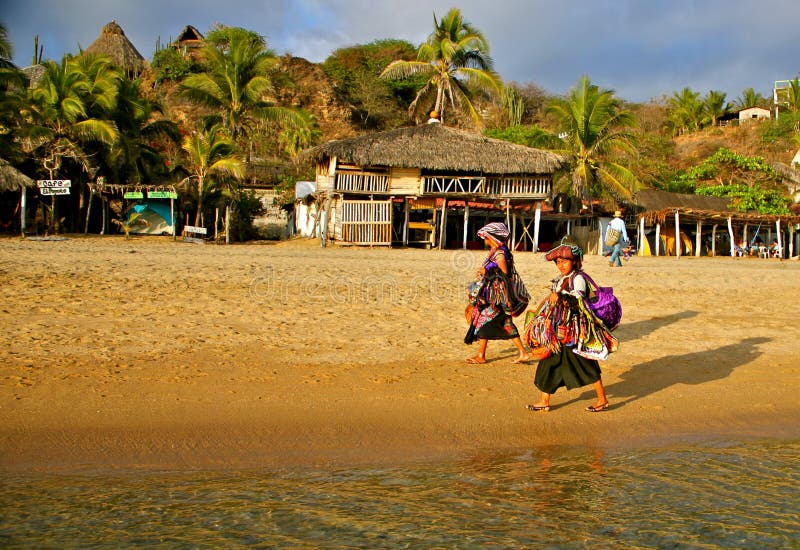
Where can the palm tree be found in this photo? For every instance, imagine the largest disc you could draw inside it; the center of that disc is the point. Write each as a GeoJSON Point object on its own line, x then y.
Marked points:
{"type": "Point", "coordinates": [56, 122]}
{"type": "Point", "coordinates": [211, 156]}
{"type": "Point", "coordinates": [135, 157]}
{"type": "Point", "coordinates": [236, 81]}
{"type": "Point", "coordinates": [793, 95]}
{"type": "Point", "coordinates": [685, 110]}
{"type": "Point", "coordinates": [750, 98]}
{"type": "Point", "coordinates": [715, 105]}
{"type": "Point", "coordinates": [594, 126]}
{"type": "Point", "coordinates": [455, 58]}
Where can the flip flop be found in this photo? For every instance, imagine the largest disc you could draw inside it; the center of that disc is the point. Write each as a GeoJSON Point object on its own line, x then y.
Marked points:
{"type": "Point", "coordinates": [475, 361]}
{"type": "Point", "coordinates": [598, 408]}
{"type": "Point", "coordinates": [519, 361]}
{"type": "Point", "coordinates": [538, 408]}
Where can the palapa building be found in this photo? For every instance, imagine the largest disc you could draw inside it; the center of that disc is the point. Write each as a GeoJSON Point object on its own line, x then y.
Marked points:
{"type": "Point", "coordinates": [676, 224]}
{"type": "Point", "coordinates": [398, 186]}
{"type": "Point", "coordinates": [113, 43]}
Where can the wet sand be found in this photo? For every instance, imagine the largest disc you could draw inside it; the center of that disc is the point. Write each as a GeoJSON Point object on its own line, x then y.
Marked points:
{"type": "Point", "coordinates": [154, 353]}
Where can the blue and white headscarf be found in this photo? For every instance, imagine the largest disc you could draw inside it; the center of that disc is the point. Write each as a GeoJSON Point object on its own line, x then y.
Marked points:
{"type": "Point", "coordinates": [496, 232]}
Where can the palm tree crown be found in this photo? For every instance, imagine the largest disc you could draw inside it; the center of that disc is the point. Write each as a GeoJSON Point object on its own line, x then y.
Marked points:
{"type": "Point", "coordinates": [595, 125]}
{"type": "Point", "coordinates": [455, 57]}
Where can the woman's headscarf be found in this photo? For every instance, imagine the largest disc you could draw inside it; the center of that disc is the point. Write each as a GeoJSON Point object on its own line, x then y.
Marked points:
{"type": "Point", "coordinates": [496, 232]}
{"type": "Point", "coordinates": [569, 251]}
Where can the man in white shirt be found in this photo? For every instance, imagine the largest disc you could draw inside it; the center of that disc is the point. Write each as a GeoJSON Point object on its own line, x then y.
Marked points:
{"type": "Point", "coordinates": [616, 250]}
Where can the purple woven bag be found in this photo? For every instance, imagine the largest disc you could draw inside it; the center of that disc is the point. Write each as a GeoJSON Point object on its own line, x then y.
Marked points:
{"type": "Point", "coordinates": [605, 305]}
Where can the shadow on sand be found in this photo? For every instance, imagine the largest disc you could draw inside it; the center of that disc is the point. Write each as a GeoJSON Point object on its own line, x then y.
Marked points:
{"type": "Point", "coordinates": [690, 368]}
{"type": "Point", "coordinates": [628, 332]}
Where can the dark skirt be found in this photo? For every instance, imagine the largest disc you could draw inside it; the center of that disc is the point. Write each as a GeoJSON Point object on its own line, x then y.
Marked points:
{"type": "Point", "coordinates": [501, 327]}
{"type": "Point", "coordinates": [566, 369]}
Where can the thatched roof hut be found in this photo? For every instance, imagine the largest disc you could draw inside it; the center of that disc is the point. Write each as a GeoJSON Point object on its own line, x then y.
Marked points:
{"type": "Point", "coordinates": [658, 206]}
{"type": "Point", "coordinates": [113, 43]}
{"type": "Point", "coordinates": [189, 42]}
{"type": "Point", "coordinates": [12, 179]}
{"type": "Point", "coordinates": [438, 147]}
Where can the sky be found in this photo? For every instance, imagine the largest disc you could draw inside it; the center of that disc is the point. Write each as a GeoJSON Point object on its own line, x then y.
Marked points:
{"type": "Point", "coordinates": [641, 49]}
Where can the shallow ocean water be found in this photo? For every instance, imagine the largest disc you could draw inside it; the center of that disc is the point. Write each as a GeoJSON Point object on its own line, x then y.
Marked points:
{"type": "Point", "coordinates": [718, 494]}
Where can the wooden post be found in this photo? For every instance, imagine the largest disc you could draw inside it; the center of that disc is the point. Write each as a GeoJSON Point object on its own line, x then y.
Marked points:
{"type": "Point", "coordinates": [227, 224]}
{"type": "Point", "coordinates": [443, 222]}
{"type": "Point", "coordinates": [731, 237]}
{"type": "Point", "coordinates": [466, 223]}
{"type": "Point", "coordinates": [677, 236]}
{"type": "Point", "coordinates": [23, 193]}
{"type": "Point", "coordinates": [536, 219]}
{"type": "Point", "coordinates": [216, 223]}
{"type": "Point", "coordinates": [714, 240]}
{"type": "Point", "coordinates": [172, 215]}
{"type": "Point", "coordinates": [324, 230]}
{"type": "Point", "coordinates": [104, 204]}
{"type": "Point", "coordinates": [791, 240]}
{"type": "Point", "coordinates": [601, 241]}
{"type": "Point", "coordinates": [658, 239]}
{"type": "Point", "coordinates": [88, 209]}
{"type": "Point", "coordinates": [513, 230]}
{"type": "Point", "coordinates": [406, 215]}
{"type": "Point", "coordinates": [698, 241]}
{"type": "Point", "coordinates": [640, 252]}
{"type": "Point", "coordinates": [780, 239]}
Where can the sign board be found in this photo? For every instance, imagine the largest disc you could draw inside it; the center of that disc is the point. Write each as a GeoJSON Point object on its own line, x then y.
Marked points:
{"type": "Point", "coordinates": [53, 184]}
{"type": "Point", "coordinates": [162, 195]}
{"type": "Point", "coordinates": [193, 229]}
{"type": "Point", "coordinates": [54, 191]}
{"type": "Point", "coordinates": [133, 195]}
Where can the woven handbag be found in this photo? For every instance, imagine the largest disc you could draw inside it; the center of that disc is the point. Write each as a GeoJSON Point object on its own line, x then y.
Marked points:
{"type": "Point", "coordinates": [612, 237]}
{"type": "Point", "coordinates": [604, 305]}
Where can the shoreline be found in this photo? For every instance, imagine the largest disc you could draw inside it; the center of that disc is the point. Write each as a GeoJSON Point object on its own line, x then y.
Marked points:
{"type": "Point", "coordinates": [153, 354]}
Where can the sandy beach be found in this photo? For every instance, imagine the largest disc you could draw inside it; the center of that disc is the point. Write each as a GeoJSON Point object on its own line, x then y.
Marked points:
{"type": "Point", "coordinates": [154, 353]}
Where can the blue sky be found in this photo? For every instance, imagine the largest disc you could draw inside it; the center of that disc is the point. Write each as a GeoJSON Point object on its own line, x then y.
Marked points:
{"type": "Point", "coordinates": [642, 49]}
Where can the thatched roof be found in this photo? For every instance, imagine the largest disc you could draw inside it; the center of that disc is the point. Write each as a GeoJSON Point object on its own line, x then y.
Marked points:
{"type": "Point", "coordinates": [189, 34]}
{"type": "Point", "coordinates": [113, 43]}
{"type": "Point", "coordinates": [12, 179]}
{"type": "Point", "coordinates": [438, 147]}
{"type": "Point", "coordinates": [34, 73]}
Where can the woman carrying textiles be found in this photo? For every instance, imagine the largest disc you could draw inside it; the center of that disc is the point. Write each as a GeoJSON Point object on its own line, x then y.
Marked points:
{"type": "Point", "coordinates": [493, 298]}
{"type": "Point", "coordinates": [566, 335]}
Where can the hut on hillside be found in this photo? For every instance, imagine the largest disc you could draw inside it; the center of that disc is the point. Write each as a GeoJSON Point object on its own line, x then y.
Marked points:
{"type": "Point", "coordinates": [398, 187]}
{"type": "Point", "coordinates": [190, 43]}
{"type": "Point", "coordinates": [113, 43]}
{"type": "Point", "coordinates": [672, 224]}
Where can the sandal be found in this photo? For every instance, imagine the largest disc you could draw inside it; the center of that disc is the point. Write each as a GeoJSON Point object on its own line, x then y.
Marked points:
{"type": "Point", "coordinates": [538, 408]}
{"type": "Point", "coordinates": [597, 408]}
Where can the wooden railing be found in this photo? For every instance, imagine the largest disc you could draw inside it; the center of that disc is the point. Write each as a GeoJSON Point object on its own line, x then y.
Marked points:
{"type": "Point", "coordinates": [518, 187]}
{"type": "Point", "coordinates": [367, 222]}
{"type": "Point", "coordinates": [538, 187]}
{"type": "Point", "coordinates": [361, 182]}
{"type": "Point", "coordinates": [453, 184]}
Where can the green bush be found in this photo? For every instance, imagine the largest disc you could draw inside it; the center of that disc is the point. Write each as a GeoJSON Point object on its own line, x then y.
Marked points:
{"type": "Point", "coordinates": [169, 64]}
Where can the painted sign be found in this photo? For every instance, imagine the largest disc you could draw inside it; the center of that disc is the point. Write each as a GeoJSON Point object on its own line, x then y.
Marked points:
{"type": "Point", "coordinates": [133, 195]}
{"type": "Point", "coordinates": [58, 184]}
{"type": "Point", "coordinates": [54, 187]}
{"type": "Point", "coordinates": [162, 195]}
{"type": "Point", "coordinates": [54, 191]}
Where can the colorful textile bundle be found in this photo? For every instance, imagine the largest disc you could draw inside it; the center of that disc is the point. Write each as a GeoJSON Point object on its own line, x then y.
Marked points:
{"type": "Point", "coordinates": [569, 323]}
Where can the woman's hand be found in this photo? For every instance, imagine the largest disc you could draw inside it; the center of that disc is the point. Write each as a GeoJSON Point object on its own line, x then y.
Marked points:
{"type": "Point", "coordinates": [553, 298]}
